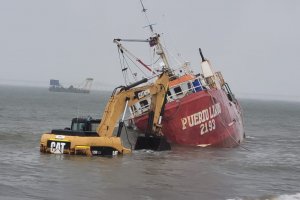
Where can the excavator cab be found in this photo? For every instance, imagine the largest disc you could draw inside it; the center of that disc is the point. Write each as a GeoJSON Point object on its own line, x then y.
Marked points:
{"type": "Point", "coordinates": [85, 124]}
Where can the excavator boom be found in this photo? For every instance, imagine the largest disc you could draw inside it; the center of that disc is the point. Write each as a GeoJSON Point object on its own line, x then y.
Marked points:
{"type": "Point", "coordinates": [127, 96]}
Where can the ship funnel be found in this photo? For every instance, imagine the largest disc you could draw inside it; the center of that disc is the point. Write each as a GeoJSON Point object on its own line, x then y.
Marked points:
{"type": "Point", "coordinates": [202, 57]}
{"type": "Point", "coordinates": [208, 72]}
{"type": "Point", "coordinates": [205, 65]}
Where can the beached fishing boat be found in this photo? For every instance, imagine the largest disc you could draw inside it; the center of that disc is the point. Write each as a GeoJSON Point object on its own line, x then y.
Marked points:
{"type": "Point", "coordinates": [200, 108]}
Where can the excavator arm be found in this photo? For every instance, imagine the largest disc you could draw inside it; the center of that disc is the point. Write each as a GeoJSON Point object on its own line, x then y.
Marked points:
{"type": "Point", "coordinates": [127, 96]}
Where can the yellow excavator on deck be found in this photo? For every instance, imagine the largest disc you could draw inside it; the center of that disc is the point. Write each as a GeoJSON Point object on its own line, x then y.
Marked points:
{"type": "Point", "coordinates": [103, 142]}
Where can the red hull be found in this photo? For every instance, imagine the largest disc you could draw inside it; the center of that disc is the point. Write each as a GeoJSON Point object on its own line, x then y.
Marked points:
{"type": "Point", "coordinates": [205, 118]}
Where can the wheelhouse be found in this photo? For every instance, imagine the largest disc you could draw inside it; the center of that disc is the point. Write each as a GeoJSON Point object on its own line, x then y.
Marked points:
{"type": "Point", "coordinates": [178, 88]}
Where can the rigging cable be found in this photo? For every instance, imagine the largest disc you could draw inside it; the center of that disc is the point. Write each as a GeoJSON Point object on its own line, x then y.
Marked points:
{"type": "Point", "coordinates": [174, 48]}
{"type": "Point", "coordinates": [168, 53]}
{"type": "Point", "coordinates": [122, 69]}
{"type": "Point", "coordinates": [125, 65]}
{"type": "Point", "coordinates": [128, 67]}
{"type": "Point", "coordinates": [135, 64]}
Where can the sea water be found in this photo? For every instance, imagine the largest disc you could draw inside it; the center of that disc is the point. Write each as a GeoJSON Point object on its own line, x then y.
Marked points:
{"type": "Point", "coordinates": [265, 166]}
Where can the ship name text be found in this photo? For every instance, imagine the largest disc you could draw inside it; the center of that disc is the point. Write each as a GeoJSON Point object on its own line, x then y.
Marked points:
{"type": "Point", "coordinates": [204, 118]}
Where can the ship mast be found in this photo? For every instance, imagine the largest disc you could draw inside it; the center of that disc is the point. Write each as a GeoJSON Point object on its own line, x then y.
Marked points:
{"type": "Point", "coordinates": [155, 41]}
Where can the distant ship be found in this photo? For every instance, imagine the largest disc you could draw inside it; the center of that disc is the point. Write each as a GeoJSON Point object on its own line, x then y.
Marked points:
{"type": "Point", "coordinates": [55, 86]}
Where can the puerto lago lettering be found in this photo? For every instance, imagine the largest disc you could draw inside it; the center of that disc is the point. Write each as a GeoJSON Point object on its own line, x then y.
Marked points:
{"type": "Point", "coordinates": [202, 117]}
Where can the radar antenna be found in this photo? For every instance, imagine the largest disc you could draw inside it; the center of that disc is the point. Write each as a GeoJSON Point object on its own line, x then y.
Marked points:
{"type": "Point", "coordinates": [144, 10]}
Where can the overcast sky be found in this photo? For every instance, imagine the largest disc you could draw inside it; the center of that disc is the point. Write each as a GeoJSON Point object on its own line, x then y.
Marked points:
{"type": "Point", "coordinates": [256, 44]}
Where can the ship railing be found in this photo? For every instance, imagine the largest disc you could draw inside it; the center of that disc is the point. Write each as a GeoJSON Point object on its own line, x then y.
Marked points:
{"type": "Point", "coordinates": [192, 88]}
{"type": "Point", "coordinates": [178, 70]}
{"type": "Point", "coordinates": [141, 110]}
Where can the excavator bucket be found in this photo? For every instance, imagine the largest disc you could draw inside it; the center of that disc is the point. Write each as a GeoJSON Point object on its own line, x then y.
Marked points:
{"type": "Point", "coordinates": [154, 143]}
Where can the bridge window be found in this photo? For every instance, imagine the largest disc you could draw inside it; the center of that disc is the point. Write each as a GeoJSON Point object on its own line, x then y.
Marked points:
{"type": "Point", "coordinates": [144, 103]}
{"type": "Point", "coordinates": [78, 126]}
{"type": "Point", "coordinates": [178, 90]}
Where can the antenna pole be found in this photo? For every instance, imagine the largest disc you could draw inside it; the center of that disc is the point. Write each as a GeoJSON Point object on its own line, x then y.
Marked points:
{"type": "Point", "coordinates": [144, 10]}
{"type": "Point", "coordinates": [154, 41]}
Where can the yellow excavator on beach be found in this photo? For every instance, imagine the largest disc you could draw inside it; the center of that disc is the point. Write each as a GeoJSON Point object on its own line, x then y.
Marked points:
{"type": "Point", "coordinates": [102, 141]}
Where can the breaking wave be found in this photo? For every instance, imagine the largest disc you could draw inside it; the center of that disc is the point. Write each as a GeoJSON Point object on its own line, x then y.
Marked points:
{"type": "Point", "coordinates": [273, 197]}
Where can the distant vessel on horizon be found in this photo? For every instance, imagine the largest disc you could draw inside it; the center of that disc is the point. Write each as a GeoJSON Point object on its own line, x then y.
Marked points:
{"type": "Point", "coordinates": [55, 86]}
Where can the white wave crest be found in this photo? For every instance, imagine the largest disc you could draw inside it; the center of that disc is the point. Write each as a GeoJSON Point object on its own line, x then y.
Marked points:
{"type": "Point", "coordinates": [280, 197]}
{"type": "Point", "coordinates": [288, 197]}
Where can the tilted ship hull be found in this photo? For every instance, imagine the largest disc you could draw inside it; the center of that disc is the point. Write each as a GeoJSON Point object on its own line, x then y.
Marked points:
{"type": "Point", "coordinates": [204, 118]}
{"type": "Point", "coordinates": [200, 109]}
